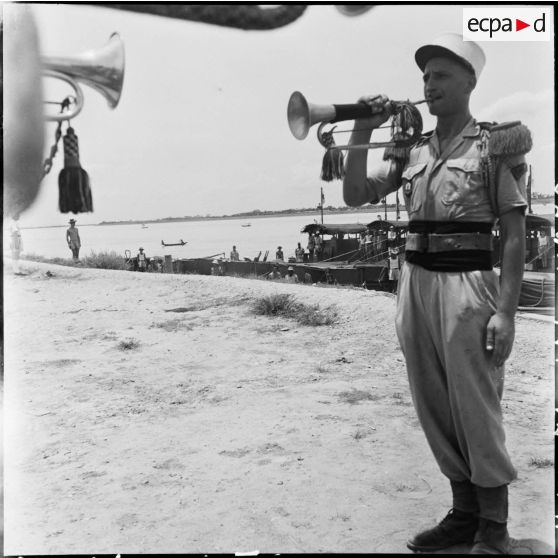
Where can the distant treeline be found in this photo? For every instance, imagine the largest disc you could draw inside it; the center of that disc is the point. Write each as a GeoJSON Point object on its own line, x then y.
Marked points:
{"type": "Point", "coordinates": [380, 208]}
{"type": "Point", "coordinates": [258, 213]}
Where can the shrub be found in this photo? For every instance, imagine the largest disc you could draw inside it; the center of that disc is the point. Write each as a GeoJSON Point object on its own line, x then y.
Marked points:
{"type": "Point", "coordinates": [541, 462]}
{"type": "Point", "coordinates": [315, 316]}
{"type": "Point", "coordinates": [100, 260]}
{"type": "Point", "coordinates": [128, 344]}
{"type": "Point", "coordinates": [273, 305]}
{"type": "Point", "coordinates": [285, 305]}
{"type": "Point", "coordinates": [104, 260]}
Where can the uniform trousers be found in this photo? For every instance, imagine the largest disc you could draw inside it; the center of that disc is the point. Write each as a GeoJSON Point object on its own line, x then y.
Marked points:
{"type": "Point", "coordinates": [456, 389]}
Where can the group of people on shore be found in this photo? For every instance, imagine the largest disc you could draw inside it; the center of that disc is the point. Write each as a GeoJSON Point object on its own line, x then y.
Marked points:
{"type": "Point", "coordinates": [291, 276]}
{"type": "Point", "coordinates": [312, 254]}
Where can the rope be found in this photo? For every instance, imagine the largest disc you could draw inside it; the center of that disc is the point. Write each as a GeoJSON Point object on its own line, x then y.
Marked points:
{"type": "Point", "coordinates": [539, 255]}
{"type": "Point", "coordinates": [339, 255]}
{"type": "Point", "coordinates": [541, 297]}
{"type": "Point", "coordinates": [358, 250]}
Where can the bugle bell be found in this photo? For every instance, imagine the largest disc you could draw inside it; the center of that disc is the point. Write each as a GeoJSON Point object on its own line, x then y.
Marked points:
{"type": "Point", "coordinates": [101, 69]}
{"type": "Point", "coordinates": [302, 115]}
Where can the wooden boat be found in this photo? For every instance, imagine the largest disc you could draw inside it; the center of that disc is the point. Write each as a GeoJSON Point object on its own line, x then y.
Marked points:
{"type": "Point", "coordinates": [181, 243]}
{"type": "Point", "coordinates": [341, 257]}
{"type": "Point", "coordinates": [346, 262]}
{"type": "Point", "coordinates": [246, 225]}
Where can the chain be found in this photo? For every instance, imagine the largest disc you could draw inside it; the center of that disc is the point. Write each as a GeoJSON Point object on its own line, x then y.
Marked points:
{"type": "Point", "coordinates": [47, 165]}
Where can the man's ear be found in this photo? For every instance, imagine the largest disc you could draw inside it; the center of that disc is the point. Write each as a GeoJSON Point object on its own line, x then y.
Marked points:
{"type": "Point", "coordinates": [471, 83]}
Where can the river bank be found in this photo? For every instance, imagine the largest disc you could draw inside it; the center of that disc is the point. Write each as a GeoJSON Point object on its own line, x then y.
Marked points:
{"type": "Point", "coordinates": [150, 413]}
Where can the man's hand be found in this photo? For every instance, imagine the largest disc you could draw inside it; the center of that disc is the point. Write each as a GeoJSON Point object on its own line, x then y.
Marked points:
{"type": "Point", "coordinates": [380, 109]}
{"type": "Point", "coordinates": [500, 333]}
{"type": "Point", "coordinates": [356, 188]}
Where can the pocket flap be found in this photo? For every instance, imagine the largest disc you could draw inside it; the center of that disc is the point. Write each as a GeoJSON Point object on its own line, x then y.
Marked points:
{"type": "Point", "coordinates": [413, 170]}
{"type": "Point", "coordinates": [466, 165]}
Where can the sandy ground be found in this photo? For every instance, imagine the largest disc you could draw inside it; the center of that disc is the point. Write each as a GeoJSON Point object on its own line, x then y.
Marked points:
{"type": "Point", "coordinates": [222, 431]}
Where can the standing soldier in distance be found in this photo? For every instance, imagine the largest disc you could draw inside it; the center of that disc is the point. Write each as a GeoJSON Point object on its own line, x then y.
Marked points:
{"type": "Point", "coordinates": [455, 321]}
{"type": "Point", "coordinates": [311, 247]}
{"type": "Point", "coordinates": [73, 239]}
{"type": "Point", "coordinates": [299, 253]}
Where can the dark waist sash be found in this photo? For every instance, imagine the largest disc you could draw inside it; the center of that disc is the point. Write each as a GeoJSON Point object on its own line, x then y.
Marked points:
{"type": "Point", "coordinates": [458, 260]}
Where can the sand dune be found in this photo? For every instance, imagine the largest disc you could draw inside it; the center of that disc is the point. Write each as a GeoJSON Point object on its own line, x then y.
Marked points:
{"type": "Point", "coordinates": [152, 413]}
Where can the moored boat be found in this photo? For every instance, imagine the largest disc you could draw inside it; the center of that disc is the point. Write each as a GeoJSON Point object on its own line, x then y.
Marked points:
{"type": "Point", "coordinates": [346, 259]}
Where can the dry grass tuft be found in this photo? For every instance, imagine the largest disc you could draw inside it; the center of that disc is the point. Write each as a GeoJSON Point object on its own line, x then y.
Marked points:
{"type": "Point", "coordinates": [128, 344]}
{"type": "Point", "coordinates": [541, 462]}
{"type": "Point", "coordinates": [354, 396]}
{"type": "Point", "coordinates": [99, 260]}
{"type": "Point", "coordinates": [286, 305]}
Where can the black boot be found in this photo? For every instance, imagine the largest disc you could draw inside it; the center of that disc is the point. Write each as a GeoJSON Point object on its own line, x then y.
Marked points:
{"type": "Point", "coordinates": [464, 496]}
{"type": "Point", "coordinates": [458, 527]}
{"type": "Point", "coordinates": [492, 536]}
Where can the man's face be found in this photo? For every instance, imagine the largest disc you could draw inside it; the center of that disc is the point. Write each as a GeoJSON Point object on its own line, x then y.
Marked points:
{"type": "Point", "coordinates": [447, 86]}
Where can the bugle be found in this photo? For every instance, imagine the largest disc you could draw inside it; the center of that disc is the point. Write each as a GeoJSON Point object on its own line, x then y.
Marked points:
{"type": "Point", "coordinates": [302, 115]}
{"type": "Point", "coordinates": [101, 69]}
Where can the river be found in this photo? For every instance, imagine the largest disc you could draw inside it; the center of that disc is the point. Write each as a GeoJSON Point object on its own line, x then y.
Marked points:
{"type": "Point", "coordinates": [203, 238]}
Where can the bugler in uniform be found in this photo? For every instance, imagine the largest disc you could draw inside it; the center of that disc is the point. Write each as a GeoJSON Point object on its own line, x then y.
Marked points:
{"type": "Point", "coordinates": [455, 321]}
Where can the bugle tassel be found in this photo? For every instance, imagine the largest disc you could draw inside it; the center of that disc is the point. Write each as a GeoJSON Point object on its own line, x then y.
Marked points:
{"type": "Point", "coordinates": [406, 126]}
{"type": "Point", "coordinates": [74, 191]}
{"type": "Point", "coordinates": [333, 162]}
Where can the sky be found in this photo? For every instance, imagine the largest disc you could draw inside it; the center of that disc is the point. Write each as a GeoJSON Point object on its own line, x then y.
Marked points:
{"type": "Point", "coordinates": [201, 126]}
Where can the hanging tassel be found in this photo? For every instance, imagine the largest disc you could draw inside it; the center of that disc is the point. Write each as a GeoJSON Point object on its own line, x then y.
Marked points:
{"type": "Point", "coordinates": [74, 192]}
{"type": "Point", "coordinates": [332, 164]}
{"type": "Point", "coordinates": [406, 128]}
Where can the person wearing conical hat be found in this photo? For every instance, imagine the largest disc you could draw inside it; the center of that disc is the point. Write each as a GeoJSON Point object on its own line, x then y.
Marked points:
{"type": "Point", "coordinates": [73, 240]}
{"type": "Point", "coordinates": [455, 319]}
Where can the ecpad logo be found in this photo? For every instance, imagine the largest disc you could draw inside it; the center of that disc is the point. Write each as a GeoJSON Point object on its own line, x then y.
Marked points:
{"type": "Point", "coordinates": [507, 24]}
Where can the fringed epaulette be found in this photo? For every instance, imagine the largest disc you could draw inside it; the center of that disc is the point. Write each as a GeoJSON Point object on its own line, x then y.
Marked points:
{"type": "Point", "coordinates": [507, 139]}
{"type": "Point", "coordinates": [498, 141]}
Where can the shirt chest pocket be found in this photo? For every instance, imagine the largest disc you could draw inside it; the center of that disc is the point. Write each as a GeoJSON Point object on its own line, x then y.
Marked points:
{"type": "Point", "coordinates": [413, 185]}
{"type": "Point", "coordinates": [463, 183]}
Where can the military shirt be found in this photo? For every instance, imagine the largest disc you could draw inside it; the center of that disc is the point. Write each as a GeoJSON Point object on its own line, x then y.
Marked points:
{"type": "Point", "coordinates": [449, 185]}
